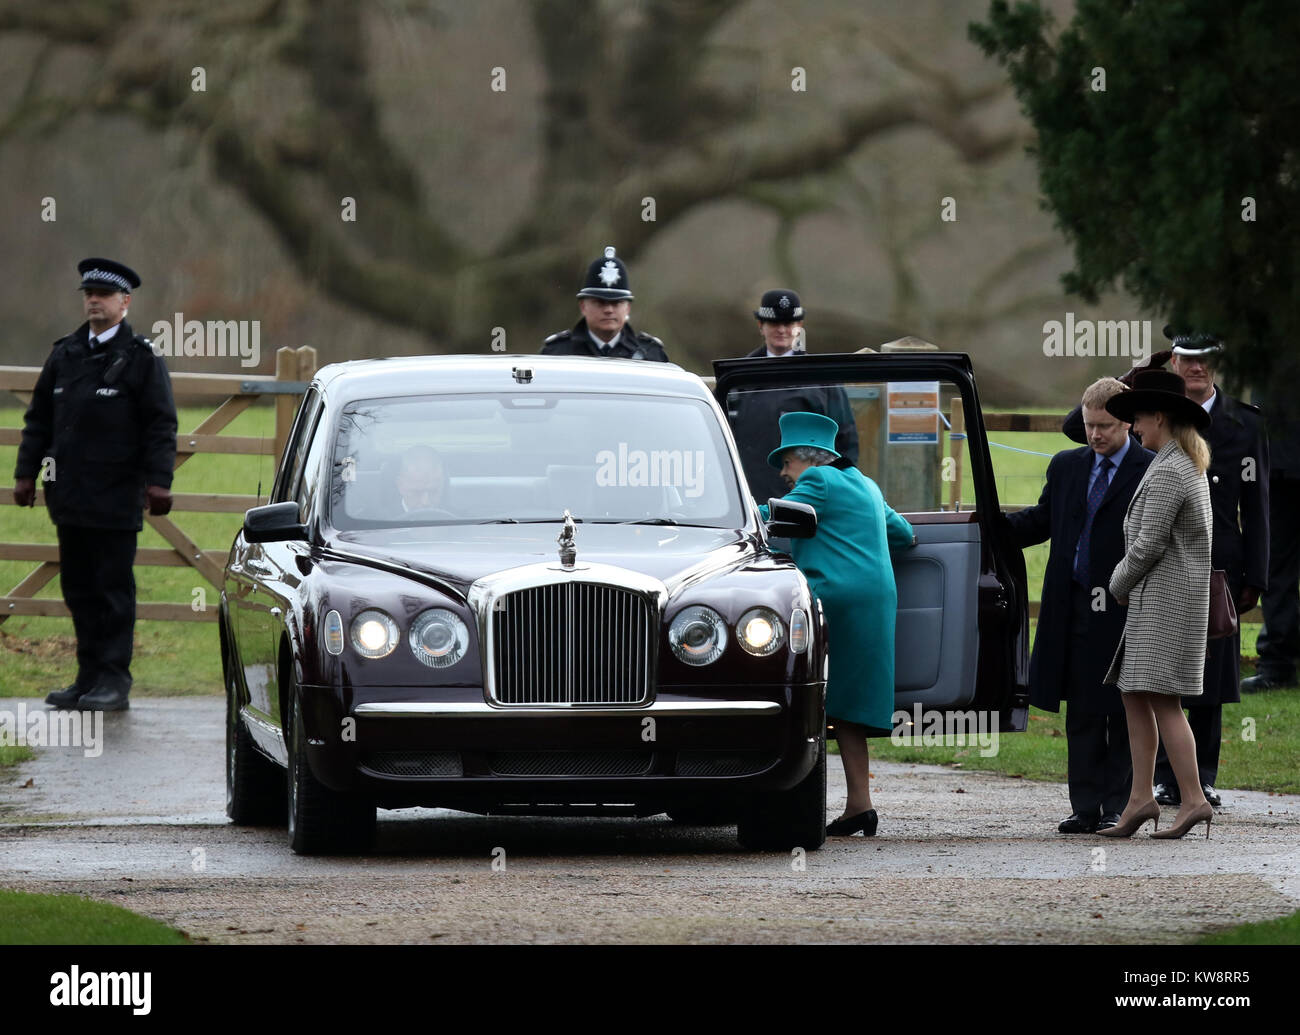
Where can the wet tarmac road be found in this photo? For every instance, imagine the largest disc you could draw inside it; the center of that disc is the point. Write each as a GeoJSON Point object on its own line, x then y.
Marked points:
{"type": "Point", "coordinates": [961, 857]}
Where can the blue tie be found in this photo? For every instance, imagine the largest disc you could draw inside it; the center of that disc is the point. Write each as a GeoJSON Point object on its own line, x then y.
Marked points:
{"type": "Point", "coordinates": [1099, 486]}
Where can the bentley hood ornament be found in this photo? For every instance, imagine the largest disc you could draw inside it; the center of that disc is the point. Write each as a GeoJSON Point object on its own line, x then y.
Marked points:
{"type": "Point", "coordinates": [568, 547]}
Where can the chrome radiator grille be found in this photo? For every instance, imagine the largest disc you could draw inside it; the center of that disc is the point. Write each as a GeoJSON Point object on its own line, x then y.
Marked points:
{"type": "Point", "coordinates": [573, 643]}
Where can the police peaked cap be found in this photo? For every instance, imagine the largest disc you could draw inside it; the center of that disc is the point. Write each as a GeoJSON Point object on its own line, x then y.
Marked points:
{"type": "Point", "coordinates": [779, 306]}
{"type": "Point", "coordinates": [107, 273]}
{"type": "Point", "coordinates": [1202, 345]}
{"type": "Point", "coordinates": [607, 279]}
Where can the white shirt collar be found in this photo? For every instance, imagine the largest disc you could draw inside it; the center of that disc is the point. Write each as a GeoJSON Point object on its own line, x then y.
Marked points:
{"type": "Point", "coordinates": [605, 346]}
{"type": "Point", "coordinates": [104, 335]}
{"type": "Point", "coordinates": [1214, 394]}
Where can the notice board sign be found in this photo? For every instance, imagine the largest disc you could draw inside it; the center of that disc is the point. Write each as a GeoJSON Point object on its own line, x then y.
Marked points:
{"type": "Point", "coordinates": [913, 408]}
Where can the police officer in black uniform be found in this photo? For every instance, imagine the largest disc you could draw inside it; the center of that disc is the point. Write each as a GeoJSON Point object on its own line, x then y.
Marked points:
{"type": "Point", "coordinates": [1279, 640]}
{"type": "Point", "coordinates": [755, 414]}
{"type": "Point", "coordinates": [101, 432]}
{"type": "Point", "coordinates": [605, 303]}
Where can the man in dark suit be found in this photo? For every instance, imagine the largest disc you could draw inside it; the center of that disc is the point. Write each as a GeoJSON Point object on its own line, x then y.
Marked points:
{"type": "Point", "coordinates": [1081, 511]}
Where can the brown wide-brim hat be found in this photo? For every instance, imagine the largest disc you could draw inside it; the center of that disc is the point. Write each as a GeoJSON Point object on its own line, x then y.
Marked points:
{"type": "Point", "coordinates": [1158, 391]}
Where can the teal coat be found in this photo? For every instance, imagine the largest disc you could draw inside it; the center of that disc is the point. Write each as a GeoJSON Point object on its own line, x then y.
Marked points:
{"type": "Point", "coordinates": [848, 567]}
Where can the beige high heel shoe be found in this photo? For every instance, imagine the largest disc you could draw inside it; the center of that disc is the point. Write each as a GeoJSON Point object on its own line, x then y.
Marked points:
{"type": "Point", "coordinates": [1201, 812]}
{"type": "Point", "coordinates": [1148, 811]}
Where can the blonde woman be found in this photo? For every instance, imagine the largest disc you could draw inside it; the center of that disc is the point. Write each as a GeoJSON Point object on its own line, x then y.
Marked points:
{"type": "Point", "coordinates": [1164, 579]}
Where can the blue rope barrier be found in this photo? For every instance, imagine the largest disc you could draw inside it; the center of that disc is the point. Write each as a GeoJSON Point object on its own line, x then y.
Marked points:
{"type": "Point", "coordinates": [1013, 449]}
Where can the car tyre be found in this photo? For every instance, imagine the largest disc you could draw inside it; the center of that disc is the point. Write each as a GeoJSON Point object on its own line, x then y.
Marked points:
{"type": "Point", "coordinates": [783, 820]}
{"type": "Point", "coordinates": [255, 786]}
{"type": "Point", "coordinates": [321, 821]}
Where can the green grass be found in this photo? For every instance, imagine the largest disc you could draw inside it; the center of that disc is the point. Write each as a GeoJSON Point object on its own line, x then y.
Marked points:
{"type": "Point", "coordinates": [171, 658]}
{"type": "Point", "coordinates": [1264, 763]}
{"type": "Point", "coordinates": [1285, 930]}
{"type": "Point", "coordinates": [33, 919]}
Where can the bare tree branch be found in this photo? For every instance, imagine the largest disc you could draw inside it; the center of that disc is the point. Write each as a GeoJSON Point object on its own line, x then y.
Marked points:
{"type": "Point", "coordinates": [714, 171]}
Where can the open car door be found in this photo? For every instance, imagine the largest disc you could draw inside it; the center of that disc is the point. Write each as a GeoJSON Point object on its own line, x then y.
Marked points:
{"type": "Point", "coordinates": [911, 422]}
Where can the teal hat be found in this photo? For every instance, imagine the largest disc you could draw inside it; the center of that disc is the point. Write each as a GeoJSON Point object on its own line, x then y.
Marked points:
{"type": "Point", "coordinates": [805, 429]}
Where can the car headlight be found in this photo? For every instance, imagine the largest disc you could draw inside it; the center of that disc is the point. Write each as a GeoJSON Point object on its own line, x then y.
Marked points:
{"type": "Point", "coordinates": [760, 632]}
{"type": "Point", "coordinates": [698, 635]}
{"type": "Point", "coordinates": [439, 638]}
{"type": "Point", "coordinates": [374, 634]}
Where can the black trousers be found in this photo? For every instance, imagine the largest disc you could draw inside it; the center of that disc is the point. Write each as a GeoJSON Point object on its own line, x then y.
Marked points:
{"type": "Point", "coordinates": [1279, 640]}
{"type": "Point", "coordinates": [1098, 765]}
{"type": "Point", "coordinates": [1207, 728]}
{"type": "Point", "coordinates": [95, 568]}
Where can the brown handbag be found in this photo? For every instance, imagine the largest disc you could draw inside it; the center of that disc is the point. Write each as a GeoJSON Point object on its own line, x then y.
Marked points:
{"type": "Point", "coordinates": [1223, 613]}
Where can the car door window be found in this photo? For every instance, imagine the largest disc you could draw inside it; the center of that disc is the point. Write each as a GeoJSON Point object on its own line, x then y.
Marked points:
{"type": "Point", "coordinates": [907, 436]}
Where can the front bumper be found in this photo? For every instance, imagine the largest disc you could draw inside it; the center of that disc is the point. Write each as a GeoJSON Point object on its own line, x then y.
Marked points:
{"type": "Point", "coordinates": [471, 754]}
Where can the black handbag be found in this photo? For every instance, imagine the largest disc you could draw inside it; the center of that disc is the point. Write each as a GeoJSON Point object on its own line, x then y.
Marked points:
{"type": "Point", "coordinates": [1223, 612]}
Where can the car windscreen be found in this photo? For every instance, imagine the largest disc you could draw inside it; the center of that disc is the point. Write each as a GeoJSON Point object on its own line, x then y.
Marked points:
{"type": "Point", "coordinates": [529, 456]}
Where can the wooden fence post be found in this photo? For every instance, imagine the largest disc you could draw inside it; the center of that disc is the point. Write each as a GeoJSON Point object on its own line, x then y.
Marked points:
{"type": "Point", "coordinates": [956, 445]}
{"type": "Point", "coordinates": [286, 369]}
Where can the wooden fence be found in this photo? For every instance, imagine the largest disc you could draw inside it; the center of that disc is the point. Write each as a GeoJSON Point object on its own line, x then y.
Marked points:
{"type": "Point", "coordinates": [293, 371]}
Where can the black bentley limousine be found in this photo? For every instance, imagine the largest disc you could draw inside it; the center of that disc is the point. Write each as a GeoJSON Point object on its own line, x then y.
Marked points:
{"type": "Point", "coordinates": [537, 584]}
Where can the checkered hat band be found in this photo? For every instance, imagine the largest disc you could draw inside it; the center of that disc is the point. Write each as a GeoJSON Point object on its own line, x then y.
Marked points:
{"type": "Point", "coordinates": [106, 275]}
{"type": "Point", "coordinates": [766, 312]}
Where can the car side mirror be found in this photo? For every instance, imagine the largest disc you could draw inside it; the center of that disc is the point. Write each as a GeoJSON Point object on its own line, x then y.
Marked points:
{"type": "Point", "coordinates": [790, 520]}
{"type": "Point", "coordinates": [275, 523]}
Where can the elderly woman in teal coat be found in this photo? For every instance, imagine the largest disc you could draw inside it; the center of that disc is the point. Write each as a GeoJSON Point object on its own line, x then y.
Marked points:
{"type": "Point", "coordinates": [848, 567]}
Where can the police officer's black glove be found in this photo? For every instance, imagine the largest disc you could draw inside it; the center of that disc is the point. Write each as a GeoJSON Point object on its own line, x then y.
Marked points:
{"type": "Point", "coordinates": [1154, 362]}
{"type": "Point", "coordinates": [160, 500]}
{"type": "Point", "coordinates": [25, 492]}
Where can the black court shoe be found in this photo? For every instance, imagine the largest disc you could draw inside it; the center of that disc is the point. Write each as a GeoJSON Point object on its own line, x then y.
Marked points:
{"type": "Point", "coordinates": [864, 821]}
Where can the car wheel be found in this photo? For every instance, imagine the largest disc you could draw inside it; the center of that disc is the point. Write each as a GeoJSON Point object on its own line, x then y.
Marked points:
{"type": "Point", "coordinates": [255, 786]}
{"type": "Point", "coordinates": [789, 819]}
{"type": "Point", "coordinates": [321, 820]}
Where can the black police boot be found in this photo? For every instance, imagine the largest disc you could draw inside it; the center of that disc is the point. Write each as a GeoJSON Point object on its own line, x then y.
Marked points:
{"type": "Point", "coordinates": [105, 699]}
{"type": "Point", "coordinates": [65, 698]}
{"type": "Point", "coordinates": [1263, 682]}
